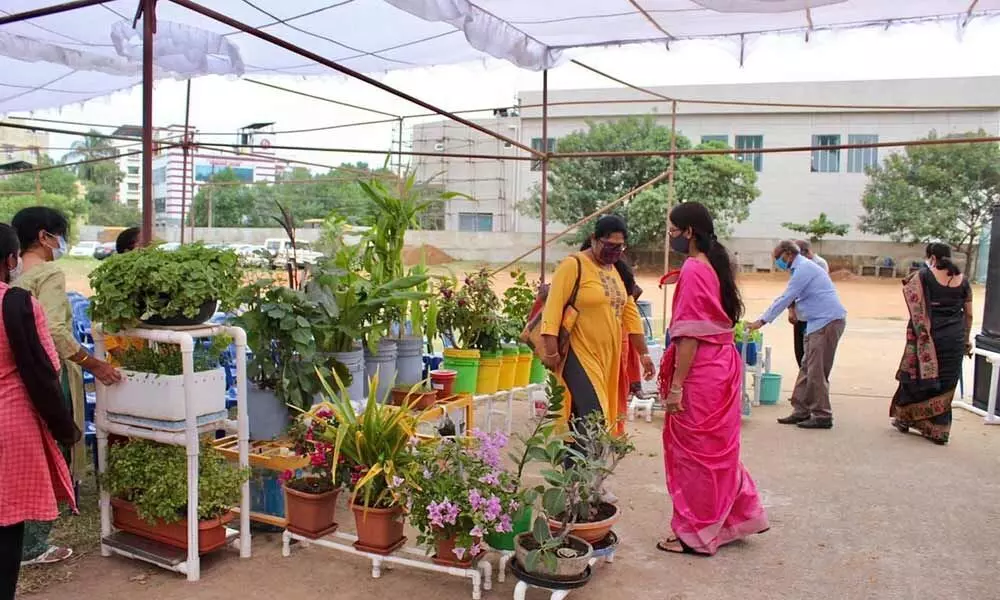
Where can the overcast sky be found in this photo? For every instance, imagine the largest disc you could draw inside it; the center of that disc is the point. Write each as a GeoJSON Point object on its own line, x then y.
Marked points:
{"type": "Point", "coordinates": [219, 104]}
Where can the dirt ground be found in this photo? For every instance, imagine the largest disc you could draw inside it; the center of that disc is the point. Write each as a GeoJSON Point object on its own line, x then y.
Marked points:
{"type": "Point", "coordinates": [857, 512]}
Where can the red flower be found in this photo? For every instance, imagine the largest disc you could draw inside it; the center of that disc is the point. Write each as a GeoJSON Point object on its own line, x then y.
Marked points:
{"type": "Point", "coordinates": [287, 475]}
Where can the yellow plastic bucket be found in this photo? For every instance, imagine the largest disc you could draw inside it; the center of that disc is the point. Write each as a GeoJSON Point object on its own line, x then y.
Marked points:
{"type": "Point", "coordinates": [522, 374]}
{"type": "Point", "coordinates": [488, 381]}
{"type": "Point", "coordinates": [508, 367]}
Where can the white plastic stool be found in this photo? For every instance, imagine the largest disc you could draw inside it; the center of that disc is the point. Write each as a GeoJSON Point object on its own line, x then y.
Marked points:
{"type": "Point", "coordinates": [644, 404]}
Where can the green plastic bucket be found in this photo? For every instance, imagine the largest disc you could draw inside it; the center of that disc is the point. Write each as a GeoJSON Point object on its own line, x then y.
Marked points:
{"type": "Point", "coordinates": [770, 388]}
{"type": "Point", "coordinates": [466, 364]}
{"type": "Point", "coordinates": [537, 371]}
{"type": "Point", "coordinates": [505, 541]}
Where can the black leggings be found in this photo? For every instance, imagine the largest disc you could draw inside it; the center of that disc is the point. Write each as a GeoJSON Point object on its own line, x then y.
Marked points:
{"type": "Point", "coordinates": [11, 540]}
{"type": "Point", "coordinates": [583, 397]}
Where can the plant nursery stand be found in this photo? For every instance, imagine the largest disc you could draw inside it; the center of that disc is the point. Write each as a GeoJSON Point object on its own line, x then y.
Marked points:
{"type": "Point", "coordinates": [134, 424]}
{"type": "Point", "coordinates": [501, 404]}
{"type": "Point", "coordinates": [603, 550]}
{"type": "Point", "coordinates": [480, 573]}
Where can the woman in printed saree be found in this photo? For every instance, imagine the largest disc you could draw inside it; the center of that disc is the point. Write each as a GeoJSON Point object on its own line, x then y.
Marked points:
{"type": "Point", "coordinates": [714, 499]}
{"type": "Point", "coordinates": [939, 300]}
{"type": "Point", "coordinates": [591, 365]}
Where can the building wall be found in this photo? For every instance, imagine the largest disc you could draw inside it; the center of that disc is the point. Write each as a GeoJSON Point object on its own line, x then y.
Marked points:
{"type": "Point", "coordinates": [790, 190]}
{"type": "Point", "coordinates": [20, 145]}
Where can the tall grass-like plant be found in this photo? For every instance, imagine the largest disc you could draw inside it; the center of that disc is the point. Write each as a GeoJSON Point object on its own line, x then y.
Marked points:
{"type": "Point", "coordinates": [377, 445]}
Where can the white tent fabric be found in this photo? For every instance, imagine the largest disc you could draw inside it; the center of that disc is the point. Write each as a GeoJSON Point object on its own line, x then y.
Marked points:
{"type": "Point", "coordinates": [91, 52]}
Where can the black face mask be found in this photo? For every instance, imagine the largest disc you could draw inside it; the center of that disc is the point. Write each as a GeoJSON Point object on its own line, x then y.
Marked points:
{"type": "Point", "coordinates": [680, 244]}
{"type": "Point", "coordinates": [610, 255]}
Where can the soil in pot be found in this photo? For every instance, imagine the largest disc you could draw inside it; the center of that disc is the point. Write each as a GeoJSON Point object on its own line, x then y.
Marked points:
{"type": "Point", "coordinates": [211, 532]}
{"type": "Point", "coordinates": [592, 531]}
{"type": "Point", "coordinates": [310, 507]}
{"type": "Point", "coordinates": [204, 314]}
{"type": "Point", "coordinates": [572, 558]}
{"type": "Point", "coordinates": [419, 399]}
{"type": "Point", "coordinates": [380, 530]}
{"type": "Point", "coordinates": [446, 554]}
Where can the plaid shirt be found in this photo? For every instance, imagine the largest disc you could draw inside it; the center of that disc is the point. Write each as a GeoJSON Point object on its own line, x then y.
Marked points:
{"type": "Point", "coordinates": [33, 474]}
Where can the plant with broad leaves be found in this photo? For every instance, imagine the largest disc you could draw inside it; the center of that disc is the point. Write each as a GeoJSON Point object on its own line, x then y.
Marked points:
{"type": "Point", "coordinates": [469, 315]}
{"type": "Point", "coordinates": [518, 299]}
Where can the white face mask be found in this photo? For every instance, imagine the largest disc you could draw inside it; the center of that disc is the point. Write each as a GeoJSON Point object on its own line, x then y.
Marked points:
{"type": "Point", "coordinates": [60, 250]}
{"type": "Point", "coordinates": [930, 265]}
{"type": "Point", "coordinates": [18, 269]}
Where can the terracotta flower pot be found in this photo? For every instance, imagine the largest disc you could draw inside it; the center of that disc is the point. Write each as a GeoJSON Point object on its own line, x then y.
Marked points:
{"type": "Point", "coordinates": [419, 400]}
{"type": "Point", "coordinates": [311, 515]}
{"type": "Point", "coordinates": [211, 532]}
{"type": "Point", "coordinates": [380, 530]}
{"type": "Point", "coordinates": [595, 531]}
{"type": "Point", "coordinates": [446, 554]}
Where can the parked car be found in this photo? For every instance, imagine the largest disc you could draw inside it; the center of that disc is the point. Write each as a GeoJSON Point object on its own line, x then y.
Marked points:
{"type": "Point", "coordinates": [104, 250]}
{"type": "Point", "coordinates": [251, 255]}
{"type": "Point", "coordinates": [169, 246]}
{"type": "Point", "coordinates": [83, 249]}
{"type": "Point", "coordinates": [281, 253]}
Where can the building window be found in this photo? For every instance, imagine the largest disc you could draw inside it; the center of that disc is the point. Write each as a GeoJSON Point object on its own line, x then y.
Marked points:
{"type": "Point", "coordinates": [859, 160]}
{"type": "Point", "coordinates": [159, 175]}
{"type": "Point", "coordinates": [8, 149]}
{"type": "Point", "coordinates": [133, 170]}
{"type": "Point", "coordinates": [475, 221]}
{"type": "Point", "coordinates": [536, 144]}
{"type": "Point", "coordinates": [133, 187]}
{"type": "Point", "coordinates": [715, 138]}
{"type": "Point", "coordinates": [751, 142]}
{"type": "Point", "coordinates": [825, 161]}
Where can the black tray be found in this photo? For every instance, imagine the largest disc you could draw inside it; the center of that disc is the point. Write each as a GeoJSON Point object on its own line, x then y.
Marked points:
{"type": "Point", "coordinates": [549, 584]}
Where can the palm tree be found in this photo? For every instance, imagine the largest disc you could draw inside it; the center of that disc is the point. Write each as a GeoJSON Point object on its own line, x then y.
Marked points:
{"type": "Point", "coordinates": [93, 147]}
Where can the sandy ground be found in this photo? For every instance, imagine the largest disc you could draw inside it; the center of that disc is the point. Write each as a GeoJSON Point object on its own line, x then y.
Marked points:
{"type": "Point", "coordinates": [858, 512]}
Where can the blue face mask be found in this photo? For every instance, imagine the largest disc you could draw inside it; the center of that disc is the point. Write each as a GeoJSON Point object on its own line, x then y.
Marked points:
{"type": "Point", "coordinates": [780, 263]}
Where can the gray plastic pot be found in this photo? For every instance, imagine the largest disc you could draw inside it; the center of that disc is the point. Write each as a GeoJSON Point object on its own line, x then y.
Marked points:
{"type": "Point", "coordinates": [268, 415]}
{"type": "Point", "coordinates": [409, 360]}
{"type": "Point", "coordinates": [354, 361]}
{"type": "Point", "coordinates": [383, 363]}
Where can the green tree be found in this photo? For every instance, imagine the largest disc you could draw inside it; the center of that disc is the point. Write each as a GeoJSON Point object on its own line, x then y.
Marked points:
{"type": "Point", "coordinates": [75, 209]}
{"type": "Point", "coordinates": [935, 193]}
{"type": "Point", "coordinates": [231, 203]}
{"type": "Point", "coordinates": [819, 228]}
{"type": "Point", "coordinates": [115, 214]}
{"type": "Point", "coordinates": [578, 187]}
{"type": "Point", "coordinates": [59, 190]}
{"type": "Point", "coordinates": [92, 147]}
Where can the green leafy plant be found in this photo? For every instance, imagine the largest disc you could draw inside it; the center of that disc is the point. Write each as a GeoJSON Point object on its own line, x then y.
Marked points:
{"type": "Point", "coordinates": [306, 434]}
{"type": "Point", "coordinates": [166, 359]}
{"type": "Point", "coordinates": [377, 445]}
{"type": "Point", "coordinates": [741, 334]}
{"type": "Point", "coordinates": [518, 299]}
{"type": "Point", "coordinates": [153, 477]}
{"type": "Point", "coordinates": [468, 315]}
{"type": "Point", "coordinates": [462, 492]}
{"type": "Point", "coordinates": [423, 312]}
{"type": "Point", "coordinates": [150, 282]}
{"type": "Point", "coordinates": [819, 228]}
{"type": "Point", "coordinates": [279, 323]}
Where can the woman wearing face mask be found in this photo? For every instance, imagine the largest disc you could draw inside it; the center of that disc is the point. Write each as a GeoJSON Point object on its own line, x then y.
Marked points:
{"type": "Point", "coordinates": [591, 365]}
{"type": "Point", "coordinates": [42, 233]}
{"type": "Point", "coordinates": [939, 300]}
{"type": "Point", "coordinates": [33, 473]}
{"type": "Point", "coordinates": [714, 498]}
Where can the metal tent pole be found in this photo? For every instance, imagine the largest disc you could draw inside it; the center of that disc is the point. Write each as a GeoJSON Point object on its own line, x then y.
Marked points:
{"type": "Point", "coordinates": [671, 196]}
{"type": "Point", "coordinates": [545, 167]}
{"type": "Point", "coordinates": [185, 149]}
{"type": "Point", "coordinates": [148, 31]}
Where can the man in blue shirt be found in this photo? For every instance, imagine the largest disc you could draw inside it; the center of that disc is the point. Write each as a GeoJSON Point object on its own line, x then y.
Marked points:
{"type": "Point", "coordinates": [817, 303]}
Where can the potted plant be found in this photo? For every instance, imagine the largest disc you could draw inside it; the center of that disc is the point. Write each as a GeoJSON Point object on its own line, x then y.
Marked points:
{"type": "Point", "coordinates": [468, 317]}
{"type": "Point", "coordinates": [311, 493]}
{"type": "Point", "coordinates": [349, 302]}
{"type": "Point", "coordinates": [148, 484]}
{"type": "Point", "coordinates": [152, 386]}
{"type": "Point", "coordinates": [285, 367]}
{"type": "Point", "coordinates": [418, 396]}
{"type": "Point", "coordinates": [377, 449]}
{"type": "Point", "coordinates": [460, 495]}
{"type": "Point", "coordinates": [518, 300]}
{"type": "Point", "coordinates": [177, 288]}
{"type": "Point", "coordinates": [420, 314]}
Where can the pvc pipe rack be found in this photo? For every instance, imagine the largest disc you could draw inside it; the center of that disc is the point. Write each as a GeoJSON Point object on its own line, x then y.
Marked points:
{"type": "Point", "coordinates": [989, 415]}
{"type": "Point", "coordinates": [187, 438]}
{"type": "Point", "coordinates": [521, 589]}
{"type": "Point", "coordinates": [501, 404]}
{"type": "Point", "coordinates": [481, 573]}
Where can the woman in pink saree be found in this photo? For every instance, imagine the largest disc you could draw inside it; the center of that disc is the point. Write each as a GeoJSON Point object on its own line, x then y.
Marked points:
{"type": "Point", "coordinates": [715, 500]}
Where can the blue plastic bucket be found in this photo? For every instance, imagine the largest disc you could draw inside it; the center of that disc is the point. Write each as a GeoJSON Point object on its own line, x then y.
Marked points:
{"type": "Point", "coordinates": [770, 388]}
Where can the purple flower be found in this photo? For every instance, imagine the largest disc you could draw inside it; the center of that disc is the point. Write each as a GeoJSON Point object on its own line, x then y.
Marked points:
{"type": "Point", "coordinates": [396, 481]}
{"type": "Point", "coordinates": [505, 525]}
{"type": "Point", "coordinates": [451, 513]}
{"type": "Point", "coordinates": [490, 447]}
{"type": "Point", "coordinates": [514, 505]}
{"type": "Point", "coordinates": [476, 532]}
{"type": "Point", "coordinates": [434, 514]}
{"type": "Point", "coordinates": [427, 474]}
{"type": "Point", "coordinates": [476, 499]}
{"type": "Point", "coordinates": [491, 479]}
{"type": "Point", "coordinates": [459, 552]}
{"type": "Point", "coordinates": [493, 508]}
{"type": "Point", "coordinates": [476, 549]}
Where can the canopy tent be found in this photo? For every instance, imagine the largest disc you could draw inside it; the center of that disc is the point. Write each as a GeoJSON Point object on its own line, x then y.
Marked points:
{"type": "Point", "coordinates": [92, 50]}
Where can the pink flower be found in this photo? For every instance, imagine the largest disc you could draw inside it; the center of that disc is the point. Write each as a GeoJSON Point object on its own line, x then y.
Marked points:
{"type": "Point", "coordinates": [324, 413]}
{"type": "Point", "coordinates": [476, 532]}
{"type": "Point", "coordinates": [286, 475]}
{"type": "Point", "coordinates": [505, 525]}
{"type": "Point", "coordinates": [476, 499]}
{"type": "Point", "coordinates": [459, 552]}
{"type": "Point", "coordinates": [493, 508]}
{"type": "Point", "coordinates": [476, 549]}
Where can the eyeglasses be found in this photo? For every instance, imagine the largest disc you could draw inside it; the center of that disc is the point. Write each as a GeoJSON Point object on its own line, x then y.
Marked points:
{"type": "Point", "coordinates": [612, 247]}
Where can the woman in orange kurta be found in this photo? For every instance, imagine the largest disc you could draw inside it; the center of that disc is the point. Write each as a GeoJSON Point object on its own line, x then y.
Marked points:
{"type": "Point", "coordinates": [591, 367]}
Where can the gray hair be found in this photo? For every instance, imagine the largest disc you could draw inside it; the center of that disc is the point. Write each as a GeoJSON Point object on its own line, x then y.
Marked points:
{"type": "Point", "coordinates": [787, 246]}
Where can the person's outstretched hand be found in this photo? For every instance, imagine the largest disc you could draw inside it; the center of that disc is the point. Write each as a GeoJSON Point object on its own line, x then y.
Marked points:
{"type": "Point", "coordinates": [648, 368]}
{"type": "Point", "coordinates": [104, 372]}
{"type": "Point", "coordinates": [755, 325]}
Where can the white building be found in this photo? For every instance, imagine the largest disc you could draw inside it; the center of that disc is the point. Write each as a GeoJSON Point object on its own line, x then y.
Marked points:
{"type": "Point", "coordinates": [250, 165]}
{"type": "Point", "coordinates": [795, 187]}
{"type": "Point", "coordinates": [20, 148]}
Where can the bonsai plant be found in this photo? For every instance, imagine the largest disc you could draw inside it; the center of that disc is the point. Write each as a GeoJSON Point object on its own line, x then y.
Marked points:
{"type": "Point", "coordinates": [461, 495]}
{"type": "Point", "coordinates": [377, 450]}
{"type": "Point", "coordinates": [182, 287]}
{"type": "Point", "coordinates": [311, 494]}
{"type": "Point", "coordinates": [152, 386]}
{"type": "Point", "coordinates": [285, 368]}
{"type": "Point", "coordinates": [148, 484]}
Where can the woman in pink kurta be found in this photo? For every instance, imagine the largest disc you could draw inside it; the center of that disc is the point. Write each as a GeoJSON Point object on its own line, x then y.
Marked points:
{"type": "Point", "coordinates": [715, 500]}
{"type": "Point", "coordinates": [34, 477]}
